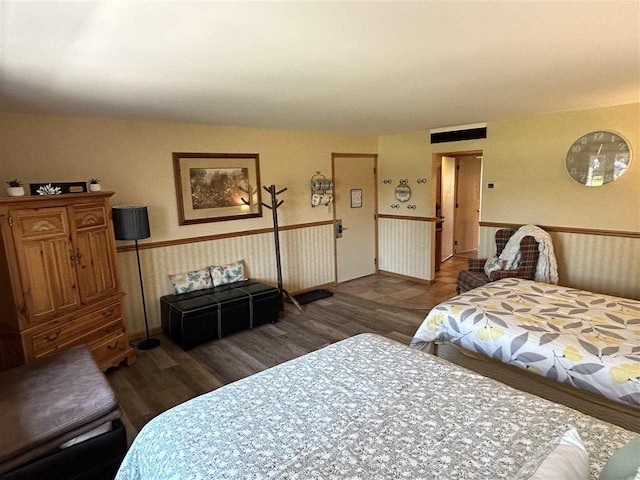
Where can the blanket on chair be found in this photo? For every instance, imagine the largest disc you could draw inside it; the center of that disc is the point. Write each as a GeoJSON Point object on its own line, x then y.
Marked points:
{"type": "Point", "coordinates": [547, 268]}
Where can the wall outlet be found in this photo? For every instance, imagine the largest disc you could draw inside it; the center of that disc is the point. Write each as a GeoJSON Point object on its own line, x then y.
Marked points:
{"type": "Point", "coordinates": [491, 186]}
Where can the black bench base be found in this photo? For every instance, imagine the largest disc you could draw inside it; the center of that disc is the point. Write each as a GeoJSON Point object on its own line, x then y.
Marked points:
{"type": "Point", "coordinates": [95, 459]}
{"type": "Point", "coordinates": [194, 318]}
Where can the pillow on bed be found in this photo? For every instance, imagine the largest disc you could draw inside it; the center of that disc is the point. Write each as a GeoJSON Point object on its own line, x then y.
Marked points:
{"type": "Point", "coordinates": [564, 458]}
{"type": "Point", "coordinates": [624, 464]}
{"type": "Point", "coordinates": [492, 264]}
{"type": "Point", "coordinates": [191, 281]}
{"type": "Point", "coordinates": [224, 274]}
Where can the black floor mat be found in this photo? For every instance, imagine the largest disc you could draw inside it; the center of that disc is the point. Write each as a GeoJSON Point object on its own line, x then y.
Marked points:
{"type": "Point", "coordinates": [312, 296]}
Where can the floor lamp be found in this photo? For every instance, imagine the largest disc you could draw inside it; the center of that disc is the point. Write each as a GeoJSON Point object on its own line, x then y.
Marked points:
{"type": "Point", "coordinates": [131, 222]}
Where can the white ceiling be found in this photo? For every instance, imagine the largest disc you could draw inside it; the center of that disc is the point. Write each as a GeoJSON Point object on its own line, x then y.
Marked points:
{"type": "Point", "coordinates": [378, 67]}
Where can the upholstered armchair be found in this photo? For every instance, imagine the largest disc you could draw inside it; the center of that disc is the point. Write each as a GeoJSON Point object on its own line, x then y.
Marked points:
{"type": "Point", "coordinates": [475, 276]}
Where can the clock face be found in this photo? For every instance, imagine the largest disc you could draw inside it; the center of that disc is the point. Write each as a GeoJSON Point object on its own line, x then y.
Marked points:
{"type": "Point", "coordinates": [598, 158]}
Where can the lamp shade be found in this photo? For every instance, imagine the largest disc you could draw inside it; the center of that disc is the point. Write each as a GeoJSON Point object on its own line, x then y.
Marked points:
{"type": "Point", "coordinates": [130, 222]}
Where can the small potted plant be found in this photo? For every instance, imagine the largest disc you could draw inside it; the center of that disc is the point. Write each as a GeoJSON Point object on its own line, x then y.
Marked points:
{"type": "Point", "coordinates": [94, 185]}
{"type": "Point", "coordinates": [15, 188]}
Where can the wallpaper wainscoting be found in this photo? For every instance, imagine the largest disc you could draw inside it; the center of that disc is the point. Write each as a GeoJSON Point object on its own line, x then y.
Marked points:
{"type": "Point", "coordinates": [598, 263]}
{"type": "Point", "coordinates": [307, 261]}
{"type": "Point", "coordinates": [405, 247]}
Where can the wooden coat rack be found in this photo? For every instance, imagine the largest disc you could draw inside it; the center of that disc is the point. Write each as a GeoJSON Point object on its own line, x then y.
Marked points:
{"type": "Point", "coordinates": [275, 204]}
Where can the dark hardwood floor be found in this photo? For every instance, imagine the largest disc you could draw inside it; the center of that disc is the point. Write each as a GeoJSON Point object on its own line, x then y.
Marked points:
{"type": "Point", "coordinates": [167, 376]}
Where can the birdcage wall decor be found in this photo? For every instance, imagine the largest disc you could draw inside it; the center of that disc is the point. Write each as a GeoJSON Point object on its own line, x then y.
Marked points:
{"type": "Point", "coordinates": [321, 190]}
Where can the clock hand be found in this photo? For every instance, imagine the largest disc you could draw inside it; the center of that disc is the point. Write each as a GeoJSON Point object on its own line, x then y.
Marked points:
{"type": "Point", "coordinates": [599, 150]}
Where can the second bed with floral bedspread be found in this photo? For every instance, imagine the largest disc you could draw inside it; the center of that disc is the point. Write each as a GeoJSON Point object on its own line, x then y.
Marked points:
{"type": "Point", "coordinates": [587, 340]}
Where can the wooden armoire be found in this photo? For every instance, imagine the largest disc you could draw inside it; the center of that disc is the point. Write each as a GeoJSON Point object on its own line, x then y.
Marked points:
{"type": "Point", "coordinates": [58, 279]}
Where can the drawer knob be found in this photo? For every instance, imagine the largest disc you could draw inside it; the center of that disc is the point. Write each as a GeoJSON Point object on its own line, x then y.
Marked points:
{"type": "Point", "coordinates": [108, 313]}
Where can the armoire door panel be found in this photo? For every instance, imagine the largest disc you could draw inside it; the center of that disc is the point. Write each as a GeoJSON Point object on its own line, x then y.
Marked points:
{"type": "Point", "coordinates": [61, 266]}
{"type": "Point", "coordinates": [95, 266]}
{"type": "Point", "coordinates": [49, 280]}
{"type": "Point", "coordinates": [46, 257]}
{"type": "Point", "coordinates": [37, 282]}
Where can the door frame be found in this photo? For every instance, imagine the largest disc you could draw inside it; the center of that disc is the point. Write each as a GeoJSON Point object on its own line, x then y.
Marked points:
{"type": "Point", "coordinates": [373, 156]}
{"type": "Point", "coordinates": [456, 154]}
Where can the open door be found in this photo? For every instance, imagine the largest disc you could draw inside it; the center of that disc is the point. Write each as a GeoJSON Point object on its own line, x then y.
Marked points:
{"type": "Point", "coordinates": [467, 216]}
{"type": "Point", "coordinates": [448, 201]}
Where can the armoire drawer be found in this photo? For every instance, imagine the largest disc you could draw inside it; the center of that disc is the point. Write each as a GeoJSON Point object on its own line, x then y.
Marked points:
{"type": "Point", "coordinates": [113, 348]}
{"type": "Point", "coordinates": [73, 331]}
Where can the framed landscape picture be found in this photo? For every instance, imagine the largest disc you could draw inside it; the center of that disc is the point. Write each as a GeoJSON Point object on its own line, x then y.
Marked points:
{"type": "Point", "coordinates": [212, 187]}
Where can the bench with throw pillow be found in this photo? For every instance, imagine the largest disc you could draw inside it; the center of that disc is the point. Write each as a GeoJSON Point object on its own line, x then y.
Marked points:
{"type": "Point", "coordinates": [215, 302]}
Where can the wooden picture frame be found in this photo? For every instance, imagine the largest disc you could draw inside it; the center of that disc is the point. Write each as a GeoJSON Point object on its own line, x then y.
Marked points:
{"type": "Point", "coordinates": [213, 187]}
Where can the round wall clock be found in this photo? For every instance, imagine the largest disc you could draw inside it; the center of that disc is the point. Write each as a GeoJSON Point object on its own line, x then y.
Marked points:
{"type": "Point", "coordinates": [598, 158]}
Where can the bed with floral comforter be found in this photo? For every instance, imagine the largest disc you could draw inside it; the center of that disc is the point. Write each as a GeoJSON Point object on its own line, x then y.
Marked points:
{"type": "Point", "coordinates": [366, 407]}
{"type": "Point", "coordinates": [587, 340]}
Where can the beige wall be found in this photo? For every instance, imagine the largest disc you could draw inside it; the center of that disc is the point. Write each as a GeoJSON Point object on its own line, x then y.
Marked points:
{"type": "Point", "coordinates": [399, 157]}
{"type": "Point", "coordinates": [133, 158]}
{"type": "Point", "coordinates": [525, 158]}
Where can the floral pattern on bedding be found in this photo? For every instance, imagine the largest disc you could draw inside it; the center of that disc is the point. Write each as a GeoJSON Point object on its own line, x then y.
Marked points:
{"type": "Point", "coordinates": [367, 408]}
{"type": "Point", "coordinates": [587, 340]}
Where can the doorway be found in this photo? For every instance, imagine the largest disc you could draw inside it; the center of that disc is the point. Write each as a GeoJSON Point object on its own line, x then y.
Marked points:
{"type": "Point", "coordinates": [467, 202]}
{"type": "Point", "coordinates": [354, 209]}
{"type": "Point", "coordinates": [458, 203]}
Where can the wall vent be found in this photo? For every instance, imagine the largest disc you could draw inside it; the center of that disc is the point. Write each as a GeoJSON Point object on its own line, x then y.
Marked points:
{"type": "Point", "coordinates": [461, 132]}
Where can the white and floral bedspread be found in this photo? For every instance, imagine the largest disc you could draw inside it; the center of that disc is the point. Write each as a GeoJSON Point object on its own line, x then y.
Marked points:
{"type": "Point", "coordinates": [587, 340]}
{"type": "Point", "coordinates": [366, 407]}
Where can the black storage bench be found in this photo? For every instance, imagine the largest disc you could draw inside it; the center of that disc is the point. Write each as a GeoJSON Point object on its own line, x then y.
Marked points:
{"type": "Point", "coordinates": [192, 318]}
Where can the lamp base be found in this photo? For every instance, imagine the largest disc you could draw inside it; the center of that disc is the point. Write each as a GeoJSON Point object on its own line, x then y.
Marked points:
{"type": "Point", "coordinates": [148, 344]}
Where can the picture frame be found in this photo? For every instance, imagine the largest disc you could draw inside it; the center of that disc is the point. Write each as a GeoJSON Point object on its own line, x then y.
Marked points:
{"type": "Point", "coordinates": [356, 198]}
{"type": "Point", "coordinates": [215, 187]}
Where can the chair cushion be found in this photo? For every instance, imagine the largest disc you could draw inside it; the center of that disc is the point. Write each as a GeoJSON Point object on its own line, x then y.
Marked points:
{"type": "Point", "coordinates": [50, 397]}
{"type": "Point", "coordinates": [468, 280]}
